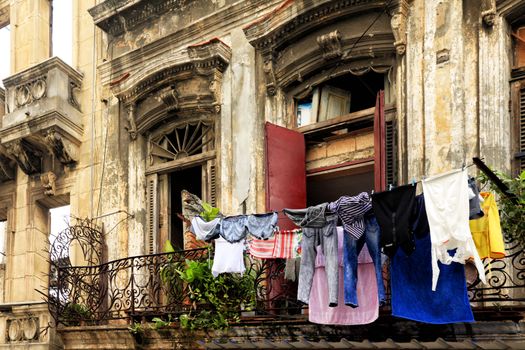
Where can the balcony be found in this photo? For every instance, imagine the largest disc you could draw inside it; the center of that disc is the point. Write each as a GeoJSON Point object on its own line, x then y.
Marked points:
{"type": "Point", "coordinates": [42, 114]}
{"type": "Point", "coordinates": [139, 288]}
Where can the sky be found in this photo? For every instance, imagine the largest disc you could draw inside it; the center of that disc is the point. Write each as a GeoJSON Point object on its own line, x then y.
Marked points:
{"type": "Point", "coordinates": [62, 37]}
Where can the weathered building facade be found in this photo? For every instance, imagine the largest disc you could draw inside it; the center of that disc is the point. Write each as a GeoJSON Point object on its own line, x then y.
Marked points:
{"type": "Point", "coordinates": [166, 95]}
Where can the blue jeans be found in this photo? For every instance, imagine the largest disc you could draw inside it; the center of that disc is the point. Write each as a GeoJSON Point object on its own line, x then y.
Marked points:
{"type": "Point", "coordinates": [352, 248]}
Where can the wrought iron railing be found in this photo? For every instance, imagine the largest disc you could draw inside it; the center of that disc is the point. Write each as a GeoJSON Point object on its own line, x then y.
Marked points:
{"type": "Point", "coordinates": [132, 288]}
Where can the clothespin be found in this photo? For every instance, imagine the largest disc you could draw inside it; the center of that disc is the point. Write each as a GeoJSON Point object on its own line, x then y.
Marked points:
{"type": "Point", "coordinates": [390, 187]}
{"type": "Point", "coordinates": [413, 181]}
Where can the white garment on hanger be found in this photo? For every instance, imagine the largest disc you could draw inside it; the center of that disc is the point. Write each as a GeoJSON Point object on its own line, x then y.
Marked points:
{"type": "Point", "coordinates": [228, 257]}
{"type": "Point", "coordinates": [204, 230]}
{"type": "Point", "coordinates": [447, 207]}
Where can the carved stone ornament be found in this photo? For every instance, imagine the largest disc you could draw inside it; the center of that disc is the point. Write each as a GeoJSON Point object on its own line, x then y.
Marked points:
{"type": "Point", "coordinates": [169, 98]}
{"type": "Point", "coordinates": [26, 156]}
{"type": "Point", "coordinates": [399, 29]}
{"type": "Point", "coordinates": [48, 181]}
{"type": "Point", "coordinates": [59, 147]}
{"type": "Point", "coordinates": [330, 45]}
{"type": "Point", "coordinates": [74, 90]}
{"type": "Point", "coordinates": [30, 92]}
{"type": "Point", "coordinates": [132, 127]}
{"type": "Point", "coordinates": [271, 83]}
{"type": "Point", "coordinates": [7, 169]}
{"type": "Point", "coordinates": [22, 329]}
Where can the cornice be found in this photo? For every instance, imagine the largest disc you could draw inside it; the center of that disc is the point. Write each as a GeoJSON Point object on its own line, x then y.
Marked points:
{"type": "Point", "coordinates": [173, 46]}
{"type": "Point", "coordinates": [116, 16]}
{"type": "Point", "coordinates": [200, 58]}
{"type": "Point", "coordinates": [41, 68]}
{"type": "Point", "coordinates": [292, 19]}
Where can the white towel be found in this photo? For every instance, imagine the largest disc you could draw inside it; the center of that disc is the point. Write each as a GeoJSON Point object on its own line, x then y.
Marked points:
{"type": "Point", "coordinates": [447, 207]}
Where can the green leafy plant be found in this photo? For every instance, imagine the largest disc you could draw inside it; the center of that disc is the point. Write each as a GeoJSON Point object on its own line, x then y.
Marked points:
{"type": "Point", "coordinates": [74, 314]}
{"type": "Point", "coordinates": [216, 302]}
{"type": "Point", "coordinates": [136, 328]}
{"type": "Point", "coordinates": [159, 323]}
{"type": "Point", "coordinates": [209, 213]}
{"type": "Point", "coordinates": [512, 213]}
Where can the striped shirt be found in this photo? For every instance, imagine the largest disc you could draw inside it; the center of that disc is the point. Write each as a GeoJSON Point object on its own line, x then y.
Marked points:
{"type": "Point", "coordinates": [351, 211]}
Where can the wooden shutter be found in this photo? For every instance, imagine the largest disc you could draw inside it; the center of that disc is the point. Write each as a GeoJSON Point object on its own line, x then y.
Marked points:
{"type": "Point", "coordinates": [380, 156]}
{"type": "Point", "coordinates": [213, 184]}
{"type": "Point", "coordinates": [152, 213]}
{"type": "Point", "coordinates": [285, 171]}
{"type": "Point", "coordinates": [390, 152]}
{"type": "Point", "coordinates": [521, 118]}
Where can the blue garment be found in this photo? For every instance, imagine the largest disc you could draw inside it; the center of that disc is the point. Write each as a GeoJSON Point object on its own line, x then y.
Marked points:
{"type": "Point", "coordinates": [352, 248]}
{"type": "Point", "coordinates": [233, 228]}
{"type": "Point", "coordinates": [411, 280]}
{"type": "Point", "coordinates": [262, 226]}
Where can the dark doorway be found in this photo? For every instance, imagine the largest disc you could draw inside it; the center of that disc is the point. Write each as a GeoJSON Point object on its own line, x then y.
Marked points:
{"type": "Point", "coordinates": [189, 179]}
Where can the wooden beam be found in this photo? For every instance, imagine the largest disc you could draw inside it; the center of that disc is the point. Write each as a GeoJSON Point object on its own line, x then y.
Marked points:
{"type": "Point", "coordinates": [181, 163]}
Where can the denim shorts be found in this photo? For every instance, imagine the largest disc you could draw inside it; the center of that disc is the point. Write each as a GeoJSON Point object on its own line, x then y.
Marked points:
{"type": "Point", "coordinates": [262, 226]}
{"type": "Point", "coordinates": [233, 228]}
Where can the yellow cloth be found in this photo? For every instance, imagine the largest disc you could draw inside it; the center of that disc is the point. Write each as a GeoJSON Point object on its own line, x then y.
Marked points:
{"type": "Point", "coordinates": [486, 231]}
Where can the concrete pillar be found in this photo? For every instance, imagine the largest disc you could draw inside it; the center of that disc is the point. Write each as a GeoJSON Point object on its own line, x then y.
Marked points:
{"type": "Point", "coordinates": [30, 33]}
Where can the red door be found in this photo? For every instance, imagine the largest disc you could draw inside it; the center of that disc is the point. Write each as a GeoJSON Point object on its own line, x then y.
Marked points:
{"type": "Point", "coordinates": [379, 143]}
{"type": "Point", "coordinates": [285, 171]}
{"type": "Point", "coordinates": [285, 188]}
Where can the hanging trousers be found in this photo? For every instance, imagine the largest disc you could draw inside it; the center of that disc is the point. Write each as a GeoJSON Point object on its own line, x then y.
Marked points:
{"type": "Point", "coordinates": [326, 238]}
{"type": "Point", "coordinates": [319, 229]}
{"type": "Point", "coordinates": [352, 248]}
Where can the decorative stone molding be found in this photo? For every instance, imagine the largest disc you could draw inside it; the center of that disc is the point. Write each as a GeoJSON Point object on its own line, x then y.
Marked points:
{"type": "Point", "coordinates": [48, 181]}
{"type": "Point", "coordinates": [293, 37]}
{"type": "Point", "coordinates": [190, 85]}
{"type": "Point", "coordinates": [31, 91]}
{"type": "Point", "coordinates": [330, 44]}
{"type": "Point", "coordinates": [114, 17]}
{"type": "Point", "coordinates": [7, 168]}
{"type": "Point", "coordinates": [2, 102]}
{"type": "Point", "coordinates": [169, 97]}
{"type": "Point", "coordinates": [64, 150]}
{"type": "Point", "coordinates": [26, 155]}
{"type": "Point", "coordinates": [22, 329]}
{"type": "Point", "coordinates": [398, 22]}
{"type": "Point", "coordinates": [43, 114]}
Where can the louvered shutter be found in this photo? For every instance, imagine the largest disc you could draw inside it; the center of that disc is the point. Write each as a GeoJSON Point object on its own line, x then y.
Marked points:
{"type": "Point", "coordinates": [390, 152]}
{"type": "Point", "coordinates": [521, 118]}
{"type": "Point", "coordinates": [380, 180]}
{"type": "Point", "coordinates": [152, 213]}
{"type": "Point", "coordinates": [213, 184]}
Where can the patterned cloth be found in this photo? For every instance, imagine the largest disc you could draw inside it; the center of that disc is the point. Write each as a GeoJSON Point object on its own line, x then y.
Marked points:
{"type": "Point", "coordinates": [351, 211]}
{"type": "Point", "coordinates": [261, 248]}
{"type": "Point", "coordinates": [287, 244]}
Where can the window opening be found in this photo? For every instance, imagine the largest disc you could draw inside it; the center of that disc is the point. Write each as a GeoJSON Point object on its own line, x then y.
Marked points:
{"type": "Point", "coordinates": [5, 48]}
{"type": "Point", "coordinates": [183, 141]}
{"type": "Point", "coordinates": [339, 96]}
{"type": "Point", "coordinates": [189, 179]}
{"type": "Point", "coordinates": [62, 30]}
{"type": "Point", "coordinates": [59, 221]}
{"type": "Point", "coordinates": [328, 187]}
